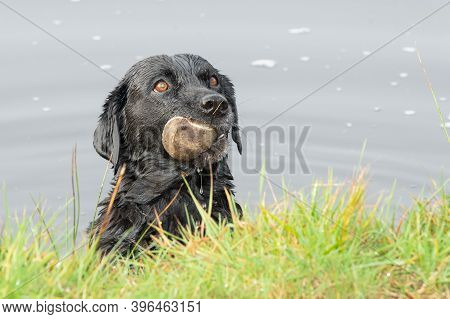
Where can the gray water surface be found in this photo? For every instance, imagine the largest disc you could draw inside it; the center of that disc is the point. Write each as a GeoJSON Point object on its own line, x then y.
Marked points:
{"type": "Point", "coordinates": [51, 97]}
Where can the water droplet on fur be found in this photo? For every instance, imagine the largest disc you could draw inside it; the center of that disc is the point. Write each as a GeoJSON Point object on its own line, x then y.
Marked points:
{"type": "Point", "coordinates": [199, 171]}
{"type": "Point", "coordinates": [377, 109]}
{"type": "Point", "coordinates": [348, 124]}
{"type": "Point", "coordinates": [264, 63]}
{"type": "Point", "coordinates": [305, 58]}
{"type": "Point", "coordinates": [403, 75]}
{"type": "Point", "coordinates": [106, 67]}
{"type": "Point", "coordinates": [366, 53]}
{"type": "Point", "coordinates": [46, 109]}
{"type": "Point", "coordinates": [96, 37]}
{"type": "Point", "coordinates": [302, 30]}
{"type": "Point", "coordinates": [393, 83]}
{"type": "Point", "coordinates": [35, 98]}
{"type": "Point", "coordinates": [339, 89]}
{"type": "Point", "coordinates": [409, 112]}
{"type": "Point", "coordinates": [57, 22]}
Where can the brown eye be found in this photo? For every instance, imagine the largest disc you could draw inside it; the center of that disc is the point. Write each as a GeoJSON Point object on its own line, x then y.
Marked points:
{"type": "Point", "coordinates": [161, 86]}
{"type": "Point", "coordinates": [213, 81]}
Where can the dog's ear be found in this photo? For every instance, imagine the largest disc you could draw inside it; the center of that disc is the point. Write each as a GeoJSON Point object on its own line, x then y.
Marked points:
{"type": "Point", "coordinates": [235, 131]}
{"type": "Point", "coordinates": [236, 135]}
{"type": "Point", "coordinates": [107, 135]}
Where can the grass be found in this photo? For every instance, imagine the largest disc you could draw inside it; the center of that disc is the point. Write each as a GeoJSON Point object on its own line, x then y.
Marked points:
{"type": "Point", "coordinates": [433, 94]}
{"type": "Point", "coordinates": [327, 242]}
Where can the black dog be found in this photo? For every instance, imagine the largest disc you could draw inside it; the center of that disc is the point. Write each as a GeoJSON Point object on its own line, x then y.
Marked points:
{"type": "Point", "coordinates": [152, 190]}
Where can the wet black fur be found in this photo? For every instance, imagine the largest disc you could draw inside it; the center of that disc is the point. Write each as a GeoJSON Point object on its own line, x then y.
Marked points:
{"type": "Point", "coordinates": [129, 133]}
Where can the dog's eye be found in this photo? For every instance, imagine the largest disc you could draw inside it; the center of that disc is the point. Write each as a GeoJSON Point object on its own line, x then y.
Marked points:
{"type": "Point", "coordinates": [213, 81]}
{"type": "Point", "coordinates": [161, 86]}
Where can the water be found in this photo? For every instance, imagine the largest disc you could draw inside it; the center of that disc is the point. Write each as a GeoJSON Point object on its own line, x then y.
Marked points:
{"type": "Point", "coordinates": [301, 30]}
{"type": "Point", "coordinates": [265, 63]}
{"type": "Point", "coordinates": [51, 97]}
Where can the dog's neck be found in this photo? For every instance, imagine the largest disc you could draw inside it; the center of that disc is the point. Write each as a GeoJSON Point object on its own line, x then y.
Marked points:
{"type": "Point", "coordinates": [143, 184]}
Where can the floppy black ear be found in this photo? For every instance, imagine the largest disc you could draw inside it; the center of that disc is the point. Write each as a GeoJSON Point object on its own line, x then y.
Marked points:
{"type": "Point", "coordinates": [229, 93]}
{"type": "Point", "coordinates": [107, 134]}
{"type": "Point", "coordinates": [235, 132]}
{"type": "Point", "coordinates": [236, 135]}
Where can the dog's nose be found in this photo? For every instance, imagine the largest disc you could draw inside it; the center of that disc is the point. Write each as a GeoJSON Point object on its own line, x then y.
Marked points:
{"type": "Point", "coordinates": [214, 104]}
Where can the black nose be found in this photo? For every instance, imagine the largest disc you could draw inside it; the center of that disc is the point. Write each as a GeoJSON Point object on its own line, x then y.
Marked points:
{"type": "Point", "coordinates": [214, 104]}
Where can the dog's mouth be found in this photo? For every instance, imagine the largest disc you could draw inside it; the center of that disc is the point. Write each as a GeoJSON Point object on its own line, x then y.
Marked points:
{"type": "Point", "coordinates": [187, 139]}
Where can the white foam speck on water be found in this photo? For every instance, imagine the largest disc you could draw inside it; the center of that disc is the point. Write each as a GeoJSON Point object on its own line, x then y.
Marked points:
{"type": "Point", "coordinates": [57, 22]}
{"type": "Point", "coordinates": [442, 99]}
{"type": "Point", "coordinates": [339, 89]}
{"type": "Point", "coordinates": [46, 109]}
{"type": "Point", "coordinates": [403, 75]}
{"type": "Point", "coordinates": [35, 98]}
{"type": "Point", "coordinates": [377, 109]}
{"type": "Point", "coordinates": [393, 83]}
{"type": "Point", "coordinates": [409, 112]}
{"type": "Point", "coordinates": [348, 124]}
{"type": "Point", "coordinates": [106, 67]}
{"type": "Point", "coordinates": [96, 37]}
{"type": "Point", "coordinates": [366, 53]}
{"type": "Point", "coordinates": [409, 49]}
{"type": "Point", "coordinates": [285, 69]}
{"type": "Point", "coordinates": [264, 63]}
{"type": "Point", "coordinates": [302, 30]}
{"type": "Point", "coordinates": [305, 58]}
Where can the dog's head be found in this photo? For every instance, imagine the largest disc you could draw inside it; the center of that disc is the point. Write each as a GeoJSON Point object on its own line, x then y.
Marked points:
{"type": "Point", "coordinates": [154, 91]}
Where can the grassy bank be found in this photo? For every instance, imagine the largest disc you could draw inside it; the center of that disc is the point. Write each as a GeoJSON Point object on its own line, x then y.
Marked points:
{"type": "Point", "coordinates": [324, 243]}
